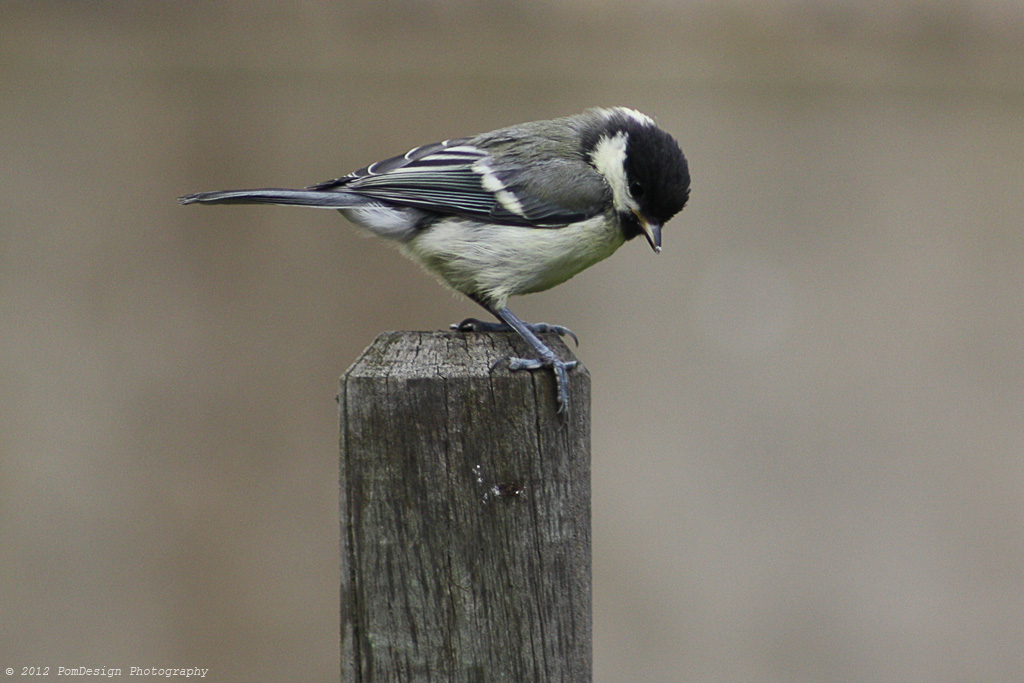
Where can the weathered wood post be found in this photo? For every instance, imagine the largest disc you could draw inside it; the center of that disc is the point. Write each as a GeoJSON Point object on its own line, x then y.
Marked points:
{"type": "Point", "coordinates": [465, 515]}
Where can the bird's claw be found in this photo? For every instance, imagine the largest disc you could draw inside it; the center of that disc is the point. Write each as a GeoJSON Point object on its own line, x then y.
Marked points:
{"type": "Point", "coordinates": [475, 325]}
{"type": "Point", "coordinates": [561, 331]}
{"type": "Point", "coordinates": [560, 368]}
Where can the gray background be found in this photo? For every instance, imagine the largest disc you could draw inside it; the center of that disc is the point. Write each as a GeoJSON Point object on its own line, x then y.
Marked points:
{"type": "Point", "coordinates": [808, 411]}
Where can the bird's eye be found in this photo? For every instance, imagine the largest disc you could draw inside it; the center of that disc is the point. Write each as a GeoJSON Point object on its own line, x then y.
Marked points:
{"type": "Point", "coordinates": [636, 189]}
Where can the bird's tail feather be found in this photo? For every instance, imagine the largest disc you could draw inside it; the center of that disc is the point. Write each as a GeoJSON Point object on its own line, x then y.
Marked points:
{"type": "Point", "coordinates": [313, 198]}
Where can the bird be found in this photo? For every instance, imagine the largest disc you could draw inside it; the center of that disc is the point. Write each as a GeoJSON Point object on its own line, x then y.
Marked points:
{"type": "Point", "coordinates": [513, 211]}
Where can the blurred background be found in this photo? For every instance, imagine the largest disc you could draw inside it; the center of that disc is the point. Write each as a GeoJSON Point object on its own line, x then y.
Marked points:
{"type": "Point", "coordinates": [808, 411]}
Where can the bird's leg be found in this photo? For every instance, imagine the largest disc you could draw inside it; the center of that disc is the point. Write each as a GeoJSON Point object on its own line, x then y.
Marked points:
{"type": "Point", "coordinates": [475, 325]}
{"type": "Point", "coordinates": [547, 359]}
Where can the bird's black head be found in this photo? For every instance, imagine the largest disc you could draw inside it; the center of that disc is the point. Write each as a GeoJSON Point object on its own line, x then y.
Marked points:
{"type": "Point", "coordinates": [658, 175]}
{"type": "Point", "coordinates": [643, 165]}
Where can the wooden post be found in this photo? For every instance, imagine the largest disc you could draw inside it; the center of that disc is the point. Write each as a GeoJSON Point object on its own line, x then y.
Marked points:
{"type": "Point", "coordinates": [465, 515]}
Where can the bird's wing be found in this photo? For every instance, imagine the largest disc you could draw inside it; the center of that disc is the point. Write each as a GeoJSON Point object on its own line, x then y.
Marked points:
{"type": "Point", "coordinates": [460, 178]}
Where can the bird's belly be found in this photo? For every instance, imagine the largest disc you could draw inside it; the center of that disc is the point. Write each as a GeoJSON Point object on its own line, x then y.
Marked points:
{"type": "Point", "coordinates": [495, 262]}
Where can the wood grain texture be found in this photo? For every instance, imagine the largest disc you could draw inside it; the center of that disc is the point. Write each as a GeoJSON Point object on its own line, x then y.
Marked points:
{"type": "Point", "coordinates": [465, 512]}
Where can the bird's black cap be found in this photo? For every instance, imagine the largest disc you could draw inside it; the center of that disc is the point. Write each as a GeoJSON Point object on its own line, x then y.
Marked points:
{"type": "Point", "coordinates": [657, 171]}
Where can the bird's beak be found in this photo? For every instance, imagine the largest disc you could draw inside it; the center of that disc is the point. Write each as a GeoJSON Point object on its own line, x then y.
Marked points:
{"type": "Point", "coordinates": [652, 231]}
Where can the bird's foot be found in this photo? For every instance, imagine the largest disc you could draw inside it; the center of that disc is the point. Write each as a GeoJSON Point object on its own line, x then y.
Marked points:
{"type": "Point", "coordinates": [560, 368]}
{"type": "Point", "coordinates": [474, 325]}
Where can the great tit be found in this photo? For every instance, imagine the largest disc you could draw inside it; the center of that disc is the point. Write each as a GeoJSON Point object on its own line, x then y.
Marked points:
{"type": "Point", "coordinates": [514, 211]}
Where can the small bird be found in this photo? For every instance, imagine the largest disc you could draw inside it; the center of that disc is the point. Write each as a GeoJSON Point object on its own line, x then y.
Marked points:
{"type": "Point", "coordinates": [514, 211]}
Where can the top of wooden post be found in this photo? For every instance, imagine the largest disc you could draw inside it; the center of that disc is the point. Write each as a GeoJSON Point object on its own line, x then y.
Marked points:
{"type": "Point", "coordinates": [453, 355]}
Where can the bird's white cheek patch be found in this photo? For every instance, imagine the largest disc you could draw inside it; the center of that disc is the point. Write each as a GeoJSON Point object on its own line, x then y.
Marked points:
{"type": "Point", "coordinates": [609, 158]}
